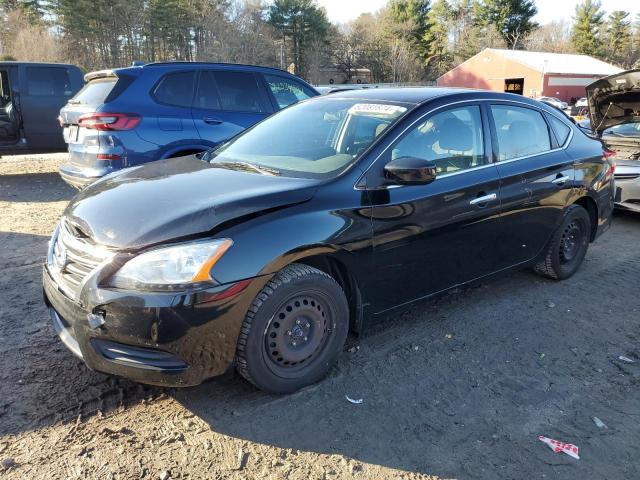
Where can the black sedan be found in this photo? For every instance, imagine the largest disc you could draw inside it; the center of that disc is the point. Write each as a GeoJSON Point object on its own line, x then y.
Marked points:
{"type": "Point", "coordinates": [264, 253]}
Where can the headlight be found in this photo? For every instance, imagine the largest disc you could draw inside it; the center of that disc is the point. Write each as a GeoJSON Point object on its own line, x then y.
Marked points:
{"type": "Point", "coordinates": [171, 268]}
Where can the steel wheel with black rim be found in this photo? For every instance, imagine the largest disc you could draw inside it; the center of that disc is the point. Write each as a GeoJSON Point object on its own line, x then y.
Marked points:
{"type": "Point", "coordinates": [294, 330]}
{"type": "Point", "coordinates": [568, 246]}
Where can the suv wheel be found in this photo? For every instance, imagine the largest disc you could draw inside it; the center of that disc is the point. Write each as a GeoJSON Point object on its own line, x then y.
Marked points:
{"type": "Point", "coordinates": [568, 245]}
{"type": "Point", "coordinates": [293, 331]}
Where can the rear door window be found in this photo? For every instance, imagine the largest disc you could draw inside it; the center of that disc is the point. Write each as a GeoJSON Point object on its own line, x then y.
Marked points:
{"type": "Point", "coordinates": [287, 91]}
{"type": "Point", "coordinates": [521, 132]}
{"type": "Point", "coordinates": [207, 93]}
{"type": "Point", "coordinates": [176, 89]}
{"type": "Point", "coordinates": [48, 82]}
{"type": "Point", "coordinates": [240, 92]}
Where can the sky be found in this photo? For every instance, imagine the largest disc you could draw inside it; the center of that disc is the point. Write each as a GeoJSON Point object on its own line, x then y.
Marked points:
{"type": "Point", "coordinates": [341, 11]}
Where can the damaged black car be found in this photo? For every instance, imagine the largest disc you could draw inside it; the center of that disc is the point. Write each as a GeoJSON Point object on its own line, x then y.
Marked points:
{"type": "Point", "coordinates": [263, 254]}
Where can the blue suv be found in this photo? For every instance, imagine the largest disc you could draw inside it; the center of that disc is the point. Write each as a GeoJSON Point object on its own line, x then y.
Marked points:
{"type": "Point", "coordinates": [129, 116]}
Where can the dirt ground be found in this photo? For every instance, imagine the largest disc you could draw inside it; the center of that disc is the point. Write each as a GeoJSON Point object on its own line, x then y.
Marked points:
{"type": "Point", "coordinates": [457, 388]}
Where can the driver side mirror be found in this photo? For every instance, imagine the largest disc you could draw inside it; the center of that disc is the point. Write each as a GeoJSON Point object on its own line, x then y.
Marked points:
{"type": "Point", "coordinates": [410, 171]}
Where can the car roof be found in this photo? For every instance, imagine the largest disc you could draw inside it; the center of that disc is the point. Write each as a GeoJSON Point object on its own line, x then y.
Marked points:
{"type": "Point", "coordinates": [420, 95]}
{"type": "Point", "coordinates": [37, 64]}
{"type": "Point", "coordinates": [137, 69]}
{"type": "Point", "coordinates": [181, 64]}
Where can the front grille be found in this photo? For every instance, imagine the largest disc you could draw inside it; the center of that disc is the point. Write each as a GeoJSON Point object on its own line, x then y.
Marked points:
{"type": "Point", "coordinates": [73, 257]}
{"type": "Point", "coordinates": [626, 176]}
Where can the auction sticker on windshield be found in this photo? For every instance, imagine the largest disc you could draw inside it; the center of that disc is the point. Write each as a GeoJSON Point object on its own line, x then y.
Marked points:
{"type": "Point", "coordinates": [376, 109]}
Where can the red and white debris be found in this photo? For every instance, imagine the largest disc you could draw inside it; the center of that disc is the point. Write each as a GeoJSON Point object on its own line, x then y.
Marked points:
{"type": "Point", "coordinates": [558, 447]}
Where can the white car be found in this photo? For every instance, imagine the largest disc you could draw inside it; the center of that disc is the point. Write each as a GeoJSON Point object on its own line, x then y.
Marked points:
{"type": "Point", "coordinates": [553, 101]}
{"type": "Point", "coordinates": [582, 102]}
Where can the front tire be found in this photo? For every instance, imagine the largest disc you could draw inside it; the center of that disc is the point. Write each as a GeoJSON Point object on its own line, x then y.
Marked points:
{"type": "Point", "coordinates": [568, 246]}
{"type": "Point", "coordinates": [294, 330]}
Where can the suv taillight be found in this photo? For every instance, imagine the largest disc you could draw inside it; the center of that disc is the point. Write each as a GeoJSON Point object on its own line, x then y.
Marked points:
{"type": "Point", "coordinates": [109, 121]}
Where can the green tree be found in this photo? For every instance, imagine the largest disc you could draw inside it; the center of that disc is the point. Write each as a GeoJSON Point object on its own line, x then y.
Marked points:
{"type": "Point", "coordinates": [513, 19]}
{"type": "Point", "coordinates": [618, 39]}
{"type": "Point", "coordinates": [586, 35]}
{"type": "Point", "coordinates": [437, 38]}
{"type": "Point", "coordinates": [300, 23]}
{"type": "Point", "coordinates": [411, 18]}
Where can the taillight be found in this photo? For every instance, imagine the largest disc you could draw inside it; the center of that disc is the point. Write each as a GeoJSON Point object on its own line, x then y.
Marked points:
{"type": "Point", "coordinates": [609, 157]}
{"type": "Point", "coordinates": [109, 121]}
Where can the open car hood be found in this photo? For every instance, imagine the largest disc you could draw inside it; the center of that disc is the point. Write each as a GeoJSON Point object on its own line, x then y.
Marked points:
{"type": "Point", "coordinates": [614, 100]}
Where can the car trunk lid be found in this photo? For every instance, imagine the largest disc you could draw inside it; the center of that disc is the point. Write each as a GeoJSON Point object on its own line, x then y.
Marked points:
{"type": "Point", "coordinates": [614, 100]}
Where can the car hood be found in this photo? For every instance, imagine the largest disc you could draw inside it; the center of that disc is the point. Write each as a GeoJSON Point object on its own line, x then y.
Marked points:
{"type": "Point", "coordinates": [175, 198]}
{"type": "Point", "coordinates": [614, 100]}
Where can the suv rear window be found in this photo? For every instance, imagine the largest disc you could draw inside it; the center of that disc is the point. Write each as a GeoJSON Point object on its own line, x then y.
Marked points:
{"type": "Point", "coordinates": [175, 89]}
{"type": "Point", "coordinates": [95, 92]}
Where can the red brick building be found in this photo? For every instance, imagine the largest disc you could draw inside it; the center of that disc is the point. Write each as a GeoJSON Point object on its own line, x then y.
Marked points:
{"type": "Point", "coordinates": [532, 74]}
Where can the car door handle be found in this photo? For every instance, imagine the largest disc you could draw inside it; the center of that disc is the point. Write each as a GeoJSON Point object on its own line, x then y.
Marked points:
{"type": "Point", "coordinates": [212, 120]}
{"type": "Point", "coordinates": [484, 199]}
{"type": "Point", "coordinates": [561, 180]}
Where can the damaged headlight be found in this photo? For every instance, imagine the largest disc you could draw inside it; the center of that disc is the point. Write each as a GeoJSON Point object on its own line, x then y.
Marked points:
{"type": "Point", "coordinates": [171, 268]}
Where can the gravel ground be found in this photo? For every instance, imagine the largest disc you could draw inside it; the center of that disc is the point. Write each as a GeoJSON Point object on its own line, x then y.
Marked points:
{"type": "Point", "coordinates": [458, 388]}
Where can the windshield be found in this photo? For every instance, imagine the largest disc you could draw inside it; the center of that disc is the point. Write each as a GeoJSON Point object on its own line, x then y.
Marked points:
{"type": "Point", "coordinates": [319, 138]}
{"type": "Point", "coordinates": [626, 130]}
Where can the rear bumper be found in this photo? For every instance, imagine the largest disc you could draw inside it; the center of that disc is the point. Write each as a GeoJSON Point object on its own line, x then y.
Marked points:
{"type": "Point", "coordinates": [155, 338]}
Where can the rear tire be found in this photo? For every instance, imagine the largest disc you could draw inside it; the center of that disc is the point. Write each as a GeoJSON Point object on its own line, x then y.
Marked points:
{"type": "Point", "coordinates": [294, 330]}
{"type": "Point", "coordinates": [568, 245]}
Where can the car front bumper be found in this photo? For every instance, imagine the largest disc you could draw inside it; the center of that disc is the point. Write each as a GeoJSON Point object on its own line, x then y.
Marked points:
{"type": "Point", "coordinates": [166, 339]}
{"type": "Point", "coordinates": [82, 177]}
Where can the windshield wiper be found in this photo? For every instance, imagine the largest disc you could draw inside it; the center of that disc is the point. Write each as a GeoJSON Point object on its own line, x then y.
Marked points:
{"type": "Point", "coordinates": [247, 167]}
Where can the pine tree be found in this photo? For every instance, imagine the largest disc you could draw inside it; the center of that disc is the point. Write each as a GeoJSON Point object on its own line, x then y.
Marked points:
{"type": "Point", "coordinates": [586, 35]}
{"type": "Point", "coordinates": [414, 14]}
{"type": "Point", "coordinates": [513, 19]}
{"type": "Point", "coordinates": [437, 38]}
{"type": "Point", "coordinates": [618, 39]}
{"type": "Point", "coordinates": [300, 23]}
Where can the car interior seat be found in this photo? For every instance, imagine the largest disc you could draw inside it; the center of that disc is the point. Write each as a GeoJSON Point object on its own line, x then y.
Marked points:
{"type": "Point", "coordinates": [456, 138]}
{"type": "Point", "coordinates": [9, 121]}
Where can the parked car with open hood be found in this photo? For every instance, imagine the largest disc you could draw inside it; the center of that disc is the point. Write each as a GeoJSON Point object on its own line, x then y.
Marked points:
{"type": "Point", "coordinates": [130, 116]}
{"type": "Point", "coordinates": [264, 252]}
{"type": "Point", "coordinates": [31, 95]}
{"type": "Point", "coordinates": [614, 108]}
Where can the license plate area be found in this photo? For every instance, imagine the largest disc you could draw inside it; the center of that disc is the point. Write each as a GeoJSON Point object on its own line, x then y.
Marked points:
{"type": "Point", "coordinates": [72, 134]}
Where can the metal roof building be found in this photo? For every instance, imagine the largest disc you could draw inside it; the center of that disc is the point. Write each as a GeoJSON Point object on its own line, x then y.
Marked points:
{"type": "Point", "coordinates": [532, 74]}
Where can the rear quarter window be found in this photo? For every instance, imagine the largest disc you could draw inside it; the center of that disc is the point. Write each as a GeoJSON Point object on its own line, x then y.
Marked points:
{"type": "Point", "coordinates": [560, 130]}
